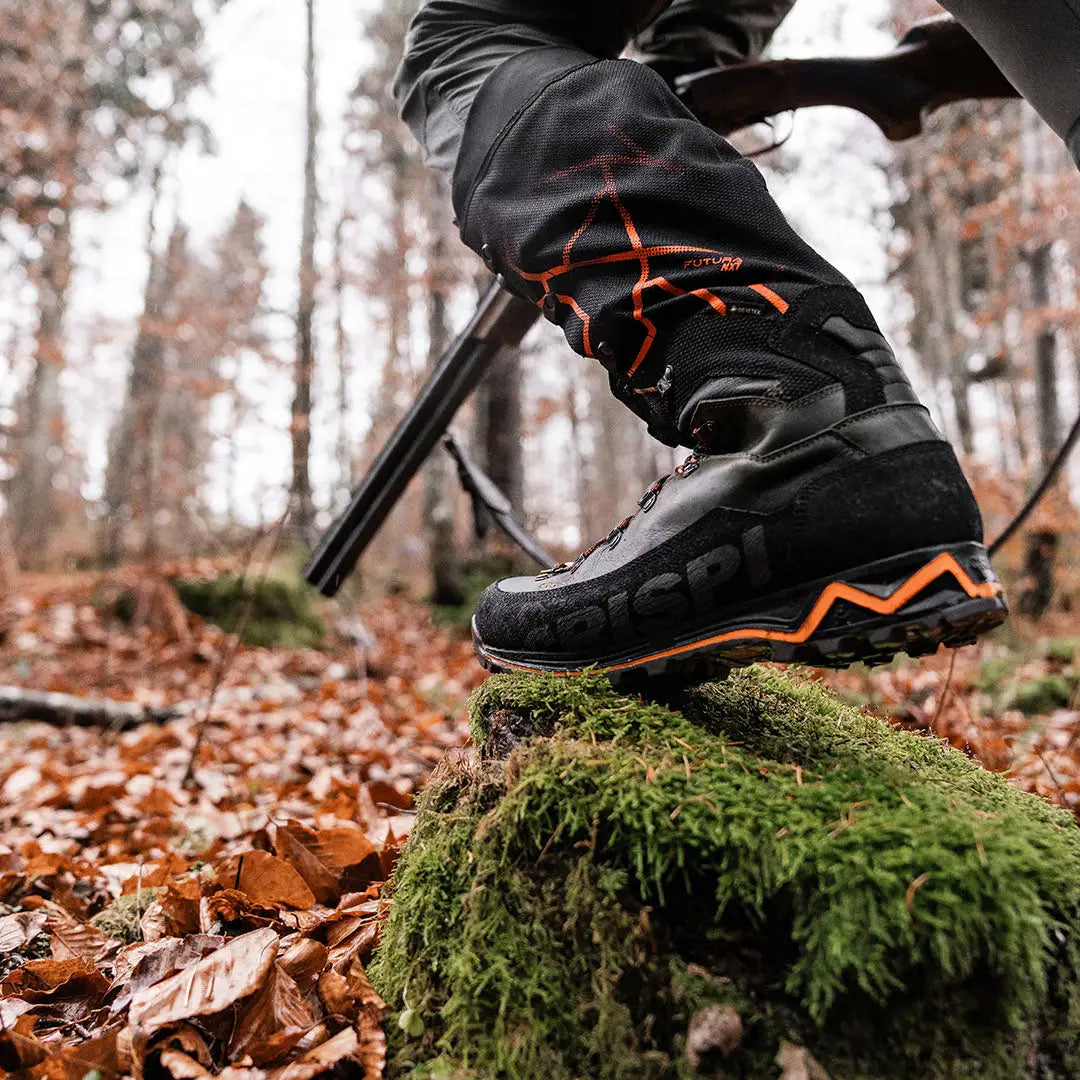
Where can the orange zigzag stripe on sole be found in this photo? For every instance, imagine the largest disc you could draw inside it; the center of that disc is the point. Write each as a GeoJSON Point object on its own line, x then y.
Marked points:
{"type": "Point", "coordinates": [945, 563]}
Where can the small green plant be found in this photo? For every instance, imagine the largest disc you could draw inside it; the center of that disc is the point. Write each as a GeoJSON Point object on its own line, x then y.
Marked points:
{"type": "Point", "coordinates": [281, 609]}
{"type": "Point", "coordinates": [122, 917]}
{"type": "Point", "coordinates": [1037, 697]}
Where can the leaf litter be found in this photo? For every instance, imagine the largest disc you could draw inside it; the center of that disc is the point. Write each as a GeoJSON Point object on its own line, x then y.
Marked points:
{"type": "Point", "coordinates": [220, 928]}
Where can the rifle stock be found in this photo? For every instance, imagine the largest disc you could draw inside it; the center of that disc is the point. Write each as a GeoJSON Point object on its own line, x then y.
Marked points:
{"type": "Point", "coordinates": [938, 62]}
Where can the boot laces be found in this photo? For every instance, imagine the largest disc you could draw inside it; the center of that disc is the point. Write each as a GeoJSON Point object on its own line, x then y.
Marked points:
{"type": "Point", "coordinates": [645, 504]}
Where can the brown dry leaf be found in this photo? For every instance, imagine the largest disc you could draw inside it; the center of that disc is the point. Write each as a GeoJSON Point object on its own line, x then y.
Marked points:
{"type": "Point", "coordinates": [215, 982]}
{"type": "Point", "coordinates": [343, 847]}
{"type": "Point", "coordinates": [72, 939]}
{"type": "Point", "coordinates": [325, 857]}
{"type": "Point", "coordinates": [153, 925]}
{"type": "Point", "coordinates": [42, 980]}
{"type": "Point", "coordinates": [341, 1046]}
{"type": "Point", "coordinates": [303, 961]}
{"type": "Point", "coordinates": [180, 906]}
{"type": "Point", "coordinates": [11, 1009]}
{"type": "Point", "coordinates": [266, 880]}
{"type": "Point", "coordinates": [797, 1063]}
{"type": "Point", "coordinates": [296, 844]}
{"type": "Point", "coordinates": [334, 995]}
{"type": "Point", "coordinates": [372, 1012]}
{"type": "Point", "coordinates": [231, 906]}
{"type": "Point", "coordinates": [359, 942]}
{"type": "Point", "coordinates": [181, 1067]}
{"type": "Point", "coordinates": [100, 1053]}
{"type": "Point", "coordinates": [273, 1021]}
{"type": "Point", "coordinates": [18, 930]}
{"type": "Point", "coordinates": [19, 1049]}
{"type": "Point", "coordinates": [364, 993]}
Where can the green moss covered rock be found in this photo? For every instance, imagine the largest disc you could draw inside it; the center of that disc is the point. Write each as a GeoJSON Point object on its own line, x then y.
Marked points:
{"type": "Point", "coordinates": [758, 883]}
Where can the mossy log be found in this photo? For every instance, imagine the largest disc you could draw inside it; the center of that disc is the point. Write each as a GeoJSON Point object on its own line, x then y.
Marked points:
{"type": "Point", "coordinates": [754, 882]}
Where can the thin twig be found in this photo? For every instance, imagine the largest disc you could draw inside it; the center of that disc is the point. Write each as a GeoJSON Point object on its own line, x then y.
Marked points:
{"type": "Point", "coordinates": [946, 691]}
{"type": "Point", "coordinates": [233, 646]}
{"type": "Point", "coordinates": [1050, 773]}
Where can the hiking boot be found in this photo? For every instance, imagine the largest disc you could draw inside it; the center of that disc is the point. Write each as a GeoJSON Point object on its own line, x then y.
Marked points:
{"type": "Point", "coordinates": [821, 517]}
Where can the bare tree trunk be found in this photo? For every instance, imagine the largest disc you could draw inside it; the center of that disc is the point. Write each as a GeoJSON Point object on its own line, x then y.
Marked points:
{"type": "Point", "coordinates": [1045, 358]}
{"type": "Point", "coordinates": [303, 521]}
{"type": "Point", "coordinates": [125, 450]}
{"type": "Point", "coordinates": [498, 426]}
{"type": "Point", "coordinates": [447, 586]}
{"type": "Point", "coordinates": [9, 578]}
{"type": "Point", "coordinates": [587, 524]}
{"type": "Point", "coordinates": [30, 500]}
{"type": "Point", "coordinates": [341, 348]}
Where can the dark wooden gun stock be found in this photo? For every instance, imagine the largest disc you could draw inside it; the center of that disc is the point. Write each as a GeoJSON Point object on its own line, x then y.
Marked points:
{"type": "Point", "coordinates": [936, 63]}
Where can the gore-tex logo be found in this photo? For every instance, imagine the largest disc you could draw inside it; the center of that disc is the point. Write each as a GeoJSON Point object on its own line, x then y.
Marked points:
{"type": "Point", "coordinates": [725, 262]}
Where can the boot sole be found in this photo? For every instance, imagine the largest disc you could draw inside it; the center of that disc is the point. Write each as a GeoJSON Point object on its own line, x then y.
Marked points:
{"type": "Point", "coordinates": [912, 603]}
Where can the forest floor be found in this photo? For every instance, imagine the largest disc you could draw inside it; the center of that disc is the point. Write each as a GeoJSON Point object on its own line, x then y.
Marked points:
{"type": "Point", "coordinates": [273, 802]}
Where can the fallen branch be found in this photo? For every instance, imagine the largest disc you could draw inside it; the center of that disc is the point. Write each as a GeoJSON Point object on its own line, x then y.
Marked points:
{"type": "Point", "coordinates": [18, 704]}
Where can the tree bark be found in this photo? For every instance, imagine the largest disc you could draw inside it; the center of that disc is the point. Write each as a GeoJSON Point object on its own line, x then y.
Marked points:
{"type": "Point", "coordinates": [303, 520]}
{"type": "Point", "coordinates": [439, 514]}
{"type": "Point", "coordinates": [31, 501]}
{"type": "Point", "coordinates": [341, 350]}
{"type": "Point", "coordinates": [499, 419]}
{"type": "Point", "coordinates": [9, 578]}
{"type": "Point", "coordinates": [1045, 358]}
{"type": "Point", "coordinates": [128, 447]}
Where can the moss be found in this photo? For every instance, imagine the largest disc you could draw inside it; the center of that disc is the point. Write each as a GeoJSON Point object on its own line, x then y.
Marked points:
{"type": "Point", "coordinates": [865, 892]}
{"type": "Point", "coordinates": [281, 609]}
{"type": "Point", "coordinates": [1062, 650]}
{"type": "Point", "coordinates": [996, 671]}
{"type": "Point", "coordinates": [122, 917]}
{"type": "Point", "coordinates": [1040, 696]}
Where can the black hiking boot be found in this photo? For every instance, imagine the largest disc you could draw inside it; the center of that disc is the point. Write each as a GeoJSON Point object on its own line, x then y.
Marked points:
{"type": "Point", "coordinates": [821, 517]}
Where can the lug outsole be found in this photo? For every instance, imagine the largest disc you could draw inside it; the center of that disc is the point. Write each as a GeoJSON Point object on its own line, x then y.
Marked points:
{"type": "Point", "coordinates": [926, 622]}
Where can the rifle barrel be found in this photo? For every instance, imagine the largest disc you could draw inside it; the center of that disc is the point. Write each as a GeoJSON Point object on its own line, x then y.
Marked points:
{"type": "Point", "coordinates": [501, 321]}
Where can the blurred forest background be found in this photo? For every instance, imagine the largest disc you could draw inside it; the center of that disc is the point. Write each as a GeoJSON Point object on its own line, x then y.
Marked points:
{"type": "Point", "coordinates": [265, 356]}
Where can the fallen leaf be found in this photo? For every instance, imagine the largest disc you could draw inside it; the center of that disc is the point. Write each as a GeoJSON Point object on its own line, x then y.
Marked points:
{"type": "Point", "coordinates": [180, 906]}
{"type": "Point", "coordinates": [273, 1021]}
{"type": "Point", "coordinates": [337, 1048]}
{"type": "Point", "coordinates": [215, 982]}
{"type": "Point", "coordinates": [73, 939]}
{"type": "Point", "coordinates": [266, 880]}
{"type": "Point", "coordinates": [181, 1067]}
{"type": "Point", "coordinates": [303, 961]}
{"type": "Point", "coordinates": [716, 1028]}
{"type": "Point", "coordinates": [797, 1063]}
{"type": "Point", "coordinates": [296, 844]}
{"type": "Point", "coordinates": [18, 930]}
{"type": "Point", "coordinates": [42, 980]}
{"type": "Point", "coordinates": [18, 1052]}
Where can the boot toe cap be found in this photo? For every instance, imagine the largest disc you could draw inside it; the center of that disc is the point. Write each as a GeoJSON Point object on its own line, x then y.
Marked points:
{"type": "Point", "coordinates": [504, 617]}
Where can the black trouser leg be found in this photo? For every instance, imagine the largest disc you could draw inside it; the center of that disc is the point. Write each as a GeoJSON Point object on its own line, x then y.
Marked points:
{"type": "Point", "coordinates": [589, 186]}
